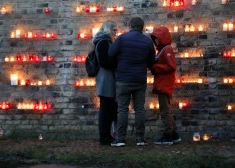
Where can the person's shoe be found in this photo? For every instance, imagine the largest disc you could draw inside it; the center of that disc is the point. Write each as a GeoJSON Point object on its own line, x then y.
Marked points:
{"type": "Point", "coordinates": [165, 140]}
{"type": "Point", "coordinates": [175, 137]}
{"type": "Point", "coordinates": [105, 140]}
{"type": "Point", "coordinates": [140, 142]}
{"type": "Point", "coordinates": [118, 143]}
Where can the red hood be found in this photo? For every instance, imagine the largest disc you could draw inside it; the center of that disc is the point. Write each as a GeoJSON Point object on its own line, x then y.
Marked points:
{"type": "Point", "coordinates": [163, 35]}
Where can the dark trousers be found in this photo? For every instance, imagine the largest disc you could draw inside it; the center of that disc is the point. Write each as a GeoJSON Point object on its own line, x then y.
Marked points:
{"type": "Point", "coordinates": [107, 114]}
{"type": "Point", "coordinates": [166, 114]}
{"type": "Point", "coordinates": [124, 92]}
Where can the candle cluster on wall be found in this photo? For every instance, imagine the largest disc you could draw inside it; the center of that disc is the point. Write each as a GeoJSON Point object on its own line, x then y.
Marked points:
{"type": "Point", "coordinates": [197, 137]}
{"type": "Point", "coordinates": [188, 80]}
{"type": "Point", "coordinates": [28, 57]}
{"type": "Point", "coordinates": [229, 53]}
{"type": "Point", "coordinates": [26, 82]}
{"type": "Point", "coordinates": [229, 80]}
{"type": "Point", "coordinates": [40, 105]}
{"type": "Point", "coordinates": [190, 54]}
{"type": "Point", "coordinates": [173, 3]}
{"type": "Point", "coordinates": [228, 26]}
{"type": "Point", "coordinates": [80, 59]}
{"type": "Point", "coordinates": [4, 105]}
{"type": "Point", "coordinates": [84, 36]}
{"type": "Point", "coordinates": [153, 105]}
{"type": "Point", "coordinates": [85, 82]}
{"type": "Point", "coordinates": [88, 8]}
{"type": "Point", "coordinates": [183, 105]}
{"type": "Point", "coordinates": [32, 35]}
{"type": "Point", "coordinates": [192, 28]}
{"type": "Point", "coordinates": [148, 29]}
{"type": "Point", "coordinates": [115, 9]}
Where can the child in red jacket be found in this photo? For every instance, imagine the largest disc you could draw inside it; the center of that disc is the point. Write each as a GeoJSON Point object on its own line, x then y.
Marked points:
{"type": "Point", "coordinates": [164, 81]}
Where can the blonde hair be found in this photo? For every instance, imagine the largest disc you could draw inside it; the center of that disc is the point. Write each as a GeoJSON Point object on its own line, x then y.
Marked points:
{"type": "Point", "coordinates": [107, 27]}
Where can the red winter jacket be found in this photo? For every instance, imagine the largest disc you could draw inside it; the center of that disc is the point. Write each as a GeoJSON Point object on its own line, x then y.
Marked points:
{"type": "Point", "coordinates": [165, 67]}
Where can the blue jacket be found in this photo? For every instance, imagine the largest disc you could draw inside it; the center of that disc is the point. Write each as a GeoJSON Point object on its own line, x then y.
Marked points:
{"type": "Point", "coordinates": [134, 53]}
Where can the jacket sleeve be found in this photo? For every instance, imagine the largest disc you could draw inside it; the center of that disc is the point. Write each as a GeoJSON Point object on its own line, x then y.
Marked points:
{"type": "Point", "coordinates": [165, 64]}
{"type": "Point", "coordinates": [114, 49]}
{"type": "Point", "coordinates": [104, 60]}
{"type": "Point", "coordinates": [151, 57]}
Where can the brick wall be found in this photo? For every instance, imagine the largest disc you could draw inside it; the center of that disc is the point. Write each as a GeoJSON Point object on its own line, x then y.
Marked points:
{"type": "Point", "coordinates": [74, 109]}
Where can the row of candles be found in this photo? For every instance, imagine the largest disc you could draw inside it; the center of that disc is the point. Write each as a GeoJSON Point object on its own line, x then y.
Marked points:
{"type": "Point", "coordinates": [44, 105]}
{"type": "Point", "coordinates": [117, 8]}
{"type": "Point", "coordinates": [82, 35]}
{"type": "Point", "coordinates": [26, 82]}
{"type": "Point", "coordinates": [40, 105]}
{"type": "Point", "coordinates": [92, 82]}
{"type": "Point", "coordinates": [31, 35]}
{"type": "Point", "coordinates": [30, 58]}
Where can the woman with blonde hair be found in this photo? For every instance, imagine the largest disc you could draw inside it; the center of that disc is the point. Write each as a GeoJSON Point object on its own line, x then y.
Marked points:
{"type": "Point", "coordinates": [105, 82]}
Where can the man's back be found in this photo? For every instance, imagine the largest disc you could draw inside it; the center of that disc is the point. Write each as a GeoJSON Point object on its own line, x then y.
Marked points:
{"type": "Point", "coordinates": [135, 52]}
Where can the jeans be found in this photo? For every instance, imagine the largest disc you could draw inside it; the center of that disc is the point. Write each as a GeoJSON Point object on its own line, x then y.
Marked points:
{"type": "Point", "coordinates": [124, 91]}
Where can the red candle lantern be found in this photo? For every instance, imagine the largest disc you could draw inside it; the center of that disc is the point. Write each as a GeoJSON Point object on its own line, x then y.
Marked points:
{"type": "Point", "coordinates": [92, 9]}
{"type": "Point", "coordinates": [176, 3]}
{"type": "Point", "coordinates": [83, 36]}
{"type": "Point", "coordinates": [49, 58]}
{"type": "Point", "coordinates": [47, 10]}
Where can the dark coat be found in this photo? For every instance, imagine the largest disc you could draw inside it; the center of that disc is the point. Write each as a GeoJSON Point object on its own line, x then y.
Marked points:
{"type": "Point", "coordinates": [134, 53]}
{"type": "Point", "coordinates": [105, 79]}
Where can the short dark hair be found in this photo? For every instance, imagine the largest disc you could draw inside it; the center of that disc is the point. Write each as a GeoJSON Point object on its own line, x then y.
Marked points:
{"type": "Point", "coordinates": [137, 23]}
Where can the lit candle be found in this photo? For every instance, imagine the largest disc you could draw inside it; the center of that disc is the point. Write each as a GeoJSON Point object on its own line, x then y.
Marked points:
{"type": "Point", "coordinates": [30, 35]}
{"type": "Point", "coordinates": [3, 10]}
{"type": "Point", "coordinates": [120, 8]}
{"type": "Point", "coordinates": [12, 59]}
{"type": "Point", "coordinates": [196, 136]}
{"type": "Point", "coordinates": [186, 55]}
{"type": "Point", "coordinates": [6, 59]}
{"type": "Point", "coordinates": [200, 81]}
{"type": "Point", "coordinates": [180, 106]}
{"type": "Point", "coordinates": [186, 29]}
{"type": "Point", "coordinates": [205, 137]}
{"type": "Point", "coordinates": [17, 33]}
{"type": "Point", "coordinates": [230, 26]}
{"type": "Point", "coordinates": [225, 27]}
{"type": "Point", "coordinates": [149, 29]}
{"type": "Point", "coordinates": [194, 2]}
{"type": "Point", "coordinates": [223, 2]}
{"type": "Point", "coordinates": [40, 83]}
{"type": "Point", "coordinates": [22, 82]}
{"type": "Point", "coordinates": [48, 82]}
{"type": "Point", "coordinates": [164, 3]}
{"type": "Point", "coordinates": [200, 28]}
{"type": "Point", "coordinates": [14, 79]}
{"type": "Point", "coordinates": [229, 107]}
{"type": "Point", "coordinates": [176, 28]}
{"type": "Point", "coordinates": [13, 35]}
{"type": "Point", "coordinates": [192, 28]}
{"type": "Point", "coordinates": [78, 9]}
{"type": "Point", "coordinates": [40, 137]}
{"type": "Point", "coordinates": [151, 106]}
{"type": "Point", "coordinates": [48, 35]}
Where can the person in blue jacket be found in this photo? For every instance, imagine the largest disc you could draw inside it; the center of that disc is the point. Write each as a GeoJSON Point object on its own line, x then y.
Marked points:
{"type": "Point", "coordinates": [135, 54]}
